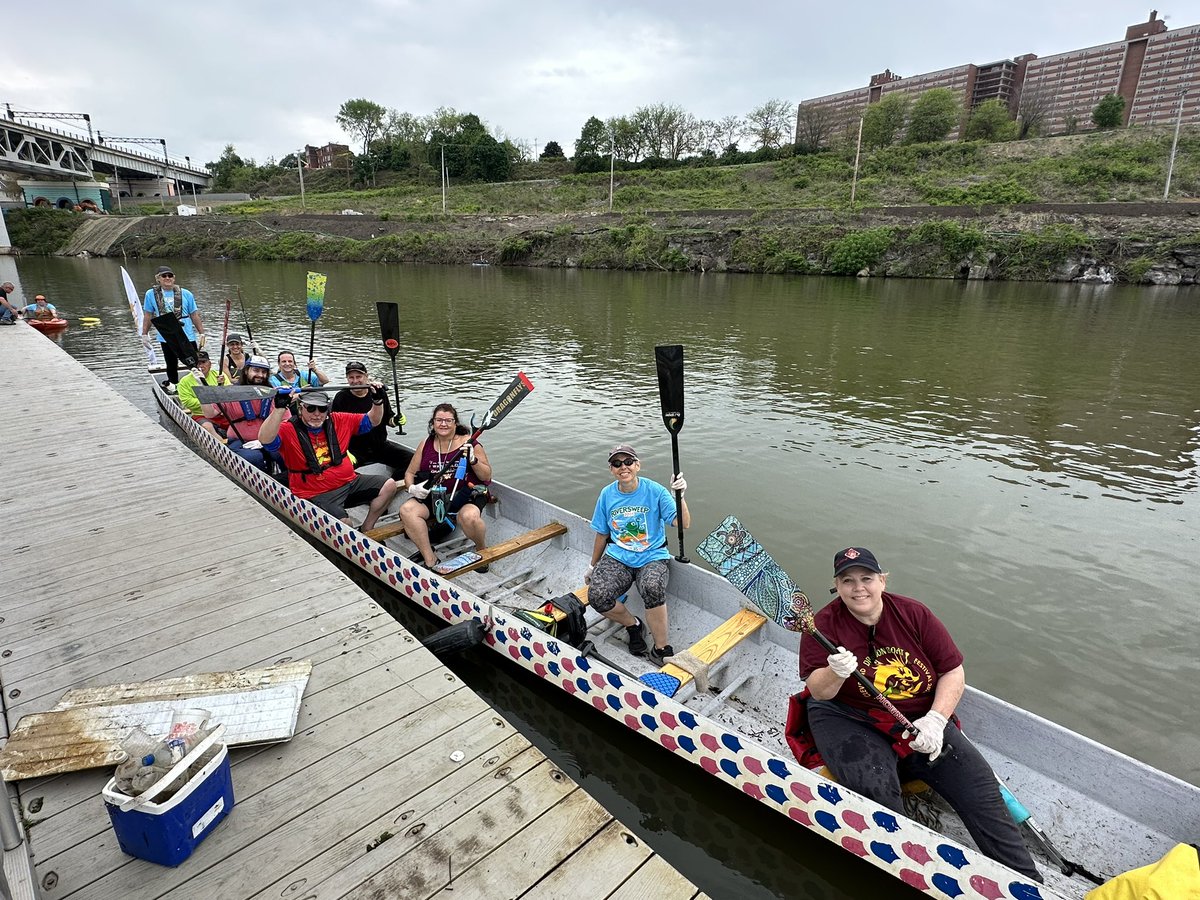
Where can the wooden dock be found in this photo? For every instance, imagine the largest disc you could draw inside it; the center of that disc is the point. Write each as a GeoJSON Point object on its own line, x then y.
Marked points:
{"type": "Point", "coordinates": [127, 558]}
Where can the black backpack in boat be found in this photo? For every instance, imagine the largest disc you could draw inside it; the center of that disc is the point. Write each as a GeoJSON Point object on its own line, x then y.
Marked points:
{"type": "Point", "coordinates": [573, 628]}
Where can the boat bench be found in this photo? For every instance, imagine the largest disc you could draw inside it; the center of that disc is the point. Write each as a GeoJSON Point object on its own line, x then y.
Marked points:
{"type": "Point", "coordinates": [383, 532]}
{"type": "Point", "coordinates": [671, 678]}
{"type": "Point", "coordinates": [521, 542]}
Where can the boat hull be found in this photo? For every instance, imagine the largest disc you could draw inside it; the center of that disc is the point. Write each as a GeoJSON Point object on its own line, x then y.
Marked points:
{"type": "Point", "coordinates": [48, 324]}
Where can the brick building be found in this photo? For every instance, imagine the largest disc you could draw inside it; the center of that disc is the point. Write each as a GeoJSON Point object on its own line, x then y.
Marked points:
{"type": "Point", "coordinates": [328, 157]}
{"type": "Point", "coordinates": [1149, 68]}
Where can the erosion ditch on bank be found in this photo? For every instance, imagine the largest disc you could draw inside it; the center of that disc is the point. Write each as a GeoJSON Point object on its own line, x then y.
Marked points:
{"type": "Point", "coordinates": [1145, 243]}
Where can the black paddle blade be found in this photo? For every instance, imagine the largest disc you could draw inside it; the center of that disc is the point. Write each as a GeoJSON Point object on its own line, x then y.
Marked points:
{"type": "Point", "coordinates": [513, 394]}
{"type": "Point", "coordinates": [389, 326]}
{"type": "Point", "coordinates": [176, 338]}
{"type": "Point", "coordinates": [669, 360]}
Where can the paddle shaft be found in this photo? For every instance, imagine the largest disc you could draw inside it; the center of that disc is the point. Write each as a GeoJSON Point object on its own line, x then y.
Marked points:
{"type": "Point", "coordinates": [389, 330]}
{"type": "Point", "coordinates": [312, 343]}
{"type": "Point", "coordinates": [668, 360]}
{"type": "Point", "coordinates": [224, 335]}
{"type": "Point", "coordinates": [245, 318]}
{"type": "Point", "coordinates": [396, 387]}
{"type": "Point", "coordinates": [682, 557]}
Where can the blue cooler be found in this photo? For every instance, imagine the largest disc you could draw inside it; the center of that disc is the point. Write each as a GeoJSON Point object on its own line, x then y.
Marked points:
{"type": "Point", "coordinates": [167, 833]}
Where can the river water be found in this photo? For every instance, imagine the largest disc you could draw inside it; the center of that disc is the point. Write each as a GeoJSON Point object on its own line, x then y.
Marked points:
{"type": "Point", "coordinates": [1021, 457]}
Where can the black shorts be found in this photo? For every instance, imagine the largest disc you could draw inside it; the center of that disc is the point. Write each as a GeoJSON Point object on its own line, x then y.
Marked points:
{"type": "Point", "coordinates": [363, 489]}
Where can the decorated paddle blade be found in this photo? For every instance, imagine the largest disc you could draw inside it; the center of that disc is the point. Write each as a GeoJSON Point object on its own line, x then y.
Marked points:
{"type": "Point", "coordinates": [520, 388]}
{"type": "Point", "coordinates": [389, 326]}
{"type": "Point", "coordinates": [316, 295]}
{"type": "Point", "coordinates": [668, 359]}
{"type": "Point", "coordinates": [738, 557]}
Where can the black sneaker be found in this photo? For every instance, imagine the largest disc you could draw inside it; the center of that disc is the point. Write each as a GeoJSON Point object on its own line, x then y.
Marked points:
{"type": "Point", "coordinates": [658, 655]}
{"type": "Point", "coordinates": [637, 638]}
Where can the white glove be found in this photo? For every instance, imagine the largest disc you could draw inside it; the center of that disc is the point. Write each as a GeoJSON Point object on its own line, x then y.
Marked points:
{"type": "Point", "coordinates": [843, 663]}
{"type": "Point", "coordinates": [255, 350]}
{"type": "Point", "coordinates": [587, 576]}
{"type": "Point", "coordinates": [471, 453]}
{"type": "Point", "coordinates": [200, 341]}
{"type": "Point", "coordinates": [147, 341]}
{"type": "Point", "coordinates": [930, 728]}
{"type": "Point", "coordinates": [679, 484]}
{"type": "Point", "coordinates": [420, 491]}
{"type": "Point", "coordinates": [252, 445]}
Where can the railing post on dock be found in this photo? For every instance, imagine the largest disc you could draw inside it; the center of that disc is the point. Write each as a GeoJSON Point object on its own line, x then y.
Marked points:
{"type": "Point", "coordinates": [9, 832]}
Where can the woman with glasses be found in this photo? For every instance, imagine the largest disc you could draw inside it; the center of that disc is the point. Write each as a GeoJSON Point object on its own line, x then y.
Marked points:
{"type": "Point", "coordinates": [902, 648]}
{"type": "Point", "coordinates": [631, 520]}
{"type": "Point", "coordinates": [439, 492]}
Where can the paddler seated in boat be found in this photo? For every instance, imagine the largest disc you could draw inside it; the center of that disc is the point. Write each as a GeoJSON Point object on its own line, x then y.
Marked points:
{"type": "Point", "coordinates": [40, 309]}
{"type": "Point", "coordinates": [244, 418]}
{"type": "Point", "coordinates": [236, 356]}
{"type": "Point", "coordinates": [314, 447]}
{"type": "Point", "coordinates": [631, 520]}
{"type": "Point", "coordinates": [442, 490]}
{"type": "Point", "coordinates": [187, 393]}
{"type": "Point", "coordinates": [287, 375]}
{"type": "Point", "coordinates": [902, 648]}
{"type": "Point", "coordinates": [372, 447]}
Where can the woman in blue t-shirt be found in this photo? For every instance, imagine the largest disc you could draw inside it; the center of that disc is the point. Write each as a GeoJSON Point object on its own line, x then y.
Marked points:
{"type": "Point", "coordinates": [631, 520]}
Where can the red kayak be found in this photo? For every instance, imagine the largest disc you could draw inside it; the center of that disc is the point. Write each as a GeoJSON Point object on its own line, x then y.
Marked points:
{"type": "Point", "coordinates": [48, 324]}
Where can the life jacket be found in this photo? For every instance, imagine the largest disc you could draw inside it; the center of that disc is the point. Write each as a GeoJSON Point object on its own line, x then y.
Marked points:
{"type": "Point", "coordinates": [310, 454]}
{"type": "Point", "coordinates": [160, 300]}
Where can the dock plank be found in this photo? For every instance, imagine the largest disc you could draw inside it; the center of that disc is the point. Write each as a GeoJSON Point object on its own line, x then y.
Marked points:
{"type": "Point", "coordinates": [605, 862]}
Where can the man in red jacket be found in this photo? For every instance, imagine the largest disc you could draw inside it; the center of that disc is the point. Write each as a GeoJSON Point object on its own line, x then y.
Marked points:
{"type": "Point", "coordinates": [314, 447]}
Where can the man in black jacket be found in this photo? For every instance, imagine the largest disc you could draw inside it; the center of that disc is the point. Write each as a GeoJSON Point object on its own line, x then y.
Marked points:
{"type": "Point", "coordinates": [372, 447]}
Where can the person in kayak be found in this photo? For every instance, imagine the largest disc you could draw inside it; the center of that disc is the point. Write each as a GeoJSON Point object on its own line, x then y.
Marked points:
{"type": "Point", "coordinates": [630, 520]}
{"type": "Point", "coordinates": [433, 478]}
{"type": "Point", "coordinates": [902, 648]}
{"type": "Point", "coordinates": [314, 449]}
{"type": "Point", "coordinates": [289, 376]}
{"type": "Point", "coordinates": [40, 309]}
{"type": "Point", "coordinates": [167, 297]}
{"type": "Point", "coordinates": [372, 447]}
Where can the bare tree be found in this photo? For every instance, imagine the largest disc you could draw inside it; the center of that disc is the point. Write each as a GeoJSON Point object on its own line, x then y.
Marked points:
{"type": "Point", "coordinates": [814, 127]}
{"type": "Point", "coordinates": [768, 125]}
{"type": "Point", "coordinates": [729, 129]}
{"type": "Point", "coordinates": [1033, 111]}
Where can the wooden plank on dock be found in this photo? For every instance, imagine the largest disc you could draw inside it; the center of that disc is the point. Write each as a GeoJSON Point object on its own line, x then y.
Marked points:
{"type": "Point", "coordinates": [108, 583]}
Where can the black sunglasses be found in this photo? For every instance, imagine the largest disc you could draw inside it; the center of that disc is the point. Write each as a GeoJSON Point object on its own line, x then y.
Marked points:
{"type": "Point", "coordinates": [312, 408]}
{"type": "Point", "coordinates": [621, 463]}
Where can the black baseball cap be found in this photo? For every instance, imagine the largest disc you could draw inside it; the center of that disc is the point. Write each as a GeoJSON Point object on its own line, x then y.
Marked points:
{"type": "Point", "coordinates": [855, 556]}
{"type": "Point", "coordinates": [165, 270]}
{"type": "Point", "coordinates": [356, 366]}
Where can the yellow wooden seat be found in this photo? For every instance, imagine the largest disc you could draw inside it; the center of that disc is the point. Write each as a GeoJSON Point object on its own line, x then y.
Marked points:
{"type": "Point", "coordinates": [383, 532]}
{"type": "Point", "coordinates": [719, 641]}
{"type": "Point", "coordinates": [512, 545]}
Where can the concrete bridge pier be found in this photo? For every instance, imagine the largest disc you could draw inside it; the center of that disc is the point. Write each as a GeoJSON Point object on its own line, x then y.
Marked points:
{"type": "Point", "coordinates": [5, 243]}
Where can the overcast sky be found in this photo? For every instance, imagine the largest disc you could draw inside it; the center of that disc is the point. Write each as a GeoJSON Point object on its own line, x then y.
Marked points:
{"type": "Point", "coordinates": [269, 77]}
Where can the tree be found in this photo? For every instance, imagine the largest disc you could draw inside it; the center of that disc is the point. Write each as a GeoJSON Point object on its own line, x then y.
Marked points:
{"type": "Point", "coordinates": [552, 151]}
{"type": "Point", "coordinates": [226, 169]}
{"type": "Point", "coordinates": [472, 154]}
{"type": "Point", "coordinates": [767, 125]}
{"type": "Point", "coordinates": [1033, 111]}
{"type": "Point", "coordinates": [883, 121]}
{"type": "Point", "coordinates": [990, 121]}
{"type": "Point", "coordinates": [592, 140]}
{"type": "Point", "coordinates": [1109, 111]}
{"type": "Point", "coordinates": [934, 113]}
{"type": "Point", "coordinates": [362, 119]}
{"type": "Point", "coordinates": [729, 129]}
{"type": "Point", "coordinates": [814, 125]}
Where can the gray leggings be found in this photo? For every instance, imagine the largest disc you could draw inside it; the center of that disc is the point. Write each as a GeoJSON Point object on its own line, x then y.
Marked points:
{"type": "Point", "coordinates": [861, 757]}
{"type": "Point", "coordinates": [611, 579]}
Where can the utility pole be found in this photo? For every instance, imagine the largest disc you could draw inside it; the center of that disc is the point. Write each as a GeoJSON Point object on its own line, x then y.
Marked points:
{"type": "Point", "coordinates": [443, 179]}
{"type": "Point", "coordinates": [612, 166]}
{"type": "Point", "coordinates": [188, 160]}
{"type": "Point", "coordinates": [1174, 145]}
{"type": "Point", "coordinates": [857, 152]}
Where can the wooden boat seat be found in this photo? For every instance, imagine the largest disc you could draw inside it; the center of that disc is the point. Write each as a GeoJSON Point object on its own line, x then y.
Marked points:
{"type": "Point", "coordinates": [916, 786]}
{"type": "Point", "coordinates": [708, 650]}
{"type": "Point", "coordinates": [581, 594]}
{"type": "Point", "coordinates": [511, 546]}
{"type": "Point", "coordinates": [383, 532]}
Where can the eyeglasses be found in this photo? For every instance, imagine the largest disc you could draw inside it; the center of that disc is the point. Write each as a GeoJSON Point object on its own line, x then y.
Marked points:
{"type": "Point", "coordinates": [165, 275]}
{"type": "Point", "coordinates": [621, 463]}
{"type": "Point", "coordinates": [443, 421]}
{"type": "Point", "coordinates": [315, 409]}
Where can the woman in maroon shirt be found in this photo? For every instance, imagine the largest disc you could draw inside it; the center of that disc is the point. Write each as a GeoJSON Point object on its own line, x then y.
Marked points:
{"type": "Point", "coordinates": [902, 648]}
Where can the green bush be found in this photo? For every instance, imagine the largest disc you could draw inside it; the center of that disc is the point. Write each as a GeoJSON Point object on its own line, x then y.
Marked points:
{"type": "Point", "coordinates": [42, 230]}
{"type": "Point", "coordinates": [857, 250]}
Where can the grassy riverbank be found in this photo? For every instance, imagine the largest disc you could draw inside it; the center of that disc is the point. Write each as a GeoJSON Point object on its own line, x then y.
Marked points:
{"type": "Point", "coordinates": [1068, 208]}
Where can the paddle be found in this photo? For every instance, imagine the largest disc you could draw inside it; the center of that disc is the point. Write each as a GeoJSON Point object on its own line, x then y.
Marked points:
{"type": "Point", "coordinates": [315, 306]}
{"type": "Point", "coordinates": [245, 318]}
{"type": "Point", "coordinates": [520, 388]}
{"type": "Point", "coordinates": [224, 336]}
{"type": "Point", "coordinates": [389, 328]}
{"type": "Point", "coordinates": [745, 563]}
{"type": "Point", "coordinates": [669, 360]}
{"type": "Point", "coordinates": [236, 392]}
{"type": "Point", "coordinates": [176, 338]}
{"type": "Point", "coordinates": [135, 308]}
